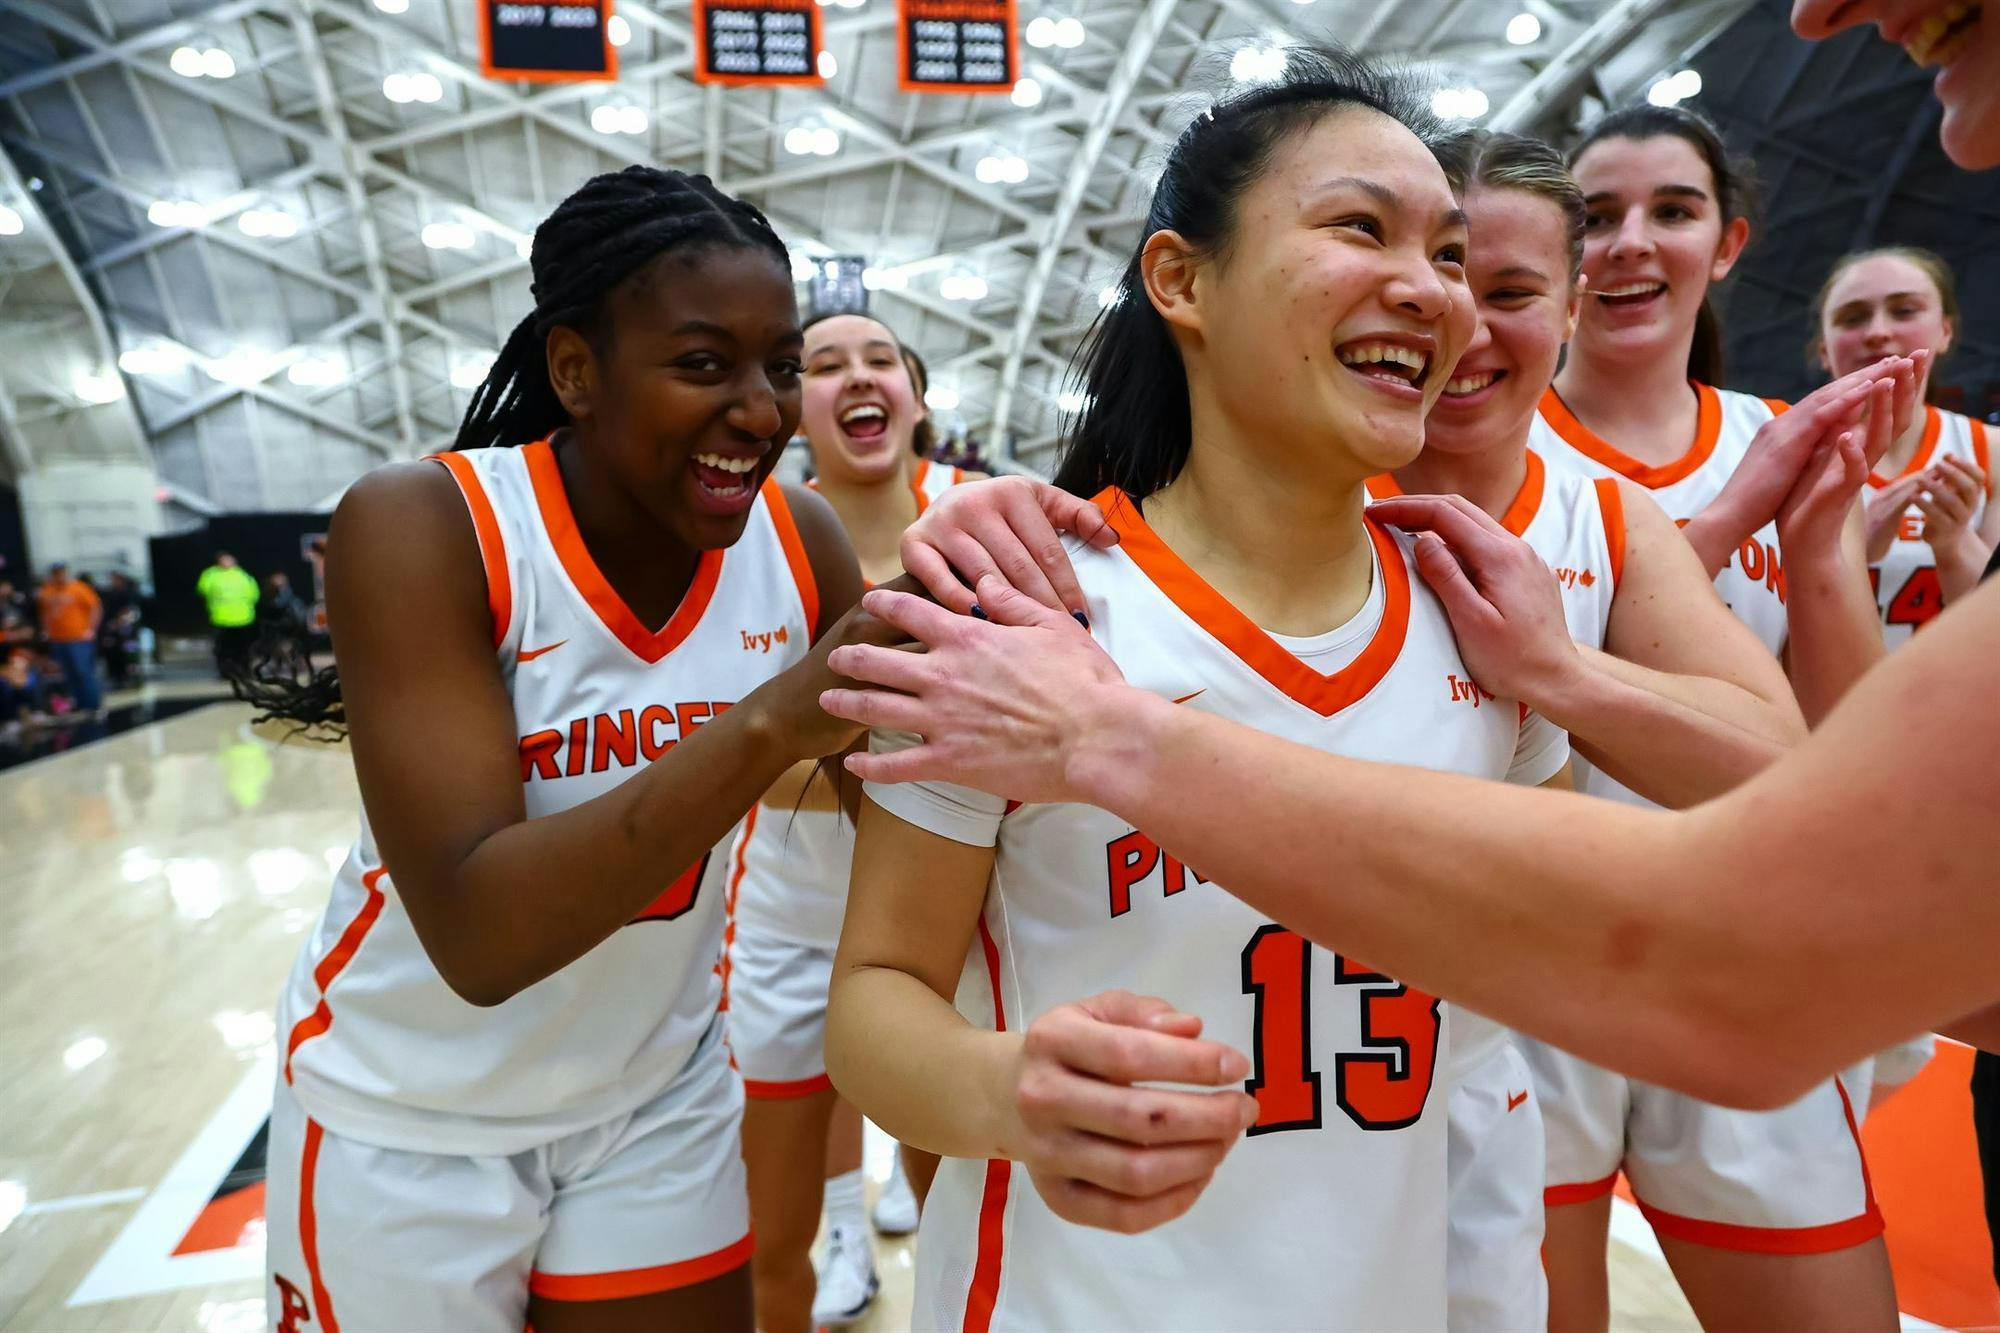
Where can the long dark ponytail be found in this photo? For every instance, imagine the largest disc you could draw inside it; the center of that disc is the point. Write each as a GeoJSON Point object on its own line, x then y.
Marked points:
{"type": "Point", "coordinates": [1735, 195]}
{"type": "Point", "coordinates": [1134, 432]}
{"type": "Point", "coordinates": [613, 226]}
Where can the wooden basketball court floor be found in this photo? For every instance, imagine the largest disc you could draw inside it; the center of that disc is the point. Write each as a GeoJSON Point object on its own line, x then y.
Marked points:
{"type": "Point", "coordinates": [158, 884]}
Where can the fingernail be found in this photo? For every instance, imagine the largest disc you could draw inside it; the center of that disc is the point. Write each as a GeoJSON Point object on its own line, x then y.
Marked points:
{"type": "Point", "coordinates": [1080, 618]}
{"type": "Point", "coordinates": [978, 613]}
{"type": "Point", "coordinates": [1235, 1065]}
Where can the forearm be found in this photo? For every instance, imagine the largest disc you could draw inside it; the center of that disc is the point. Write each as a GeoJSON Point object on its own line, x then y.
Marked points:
{"type": "Point", "coordinates": [806, 785]}
{"type": "Point", "coordinates": [912, 1064]}
{"type": "Point", "coordinates": [1834, 633]}
{"type": "Point", "coordinates": [1716, 533]}
{"type": "Point", "coordinates": [536, 895]}
{"type": "Point", "coordinates": [1960, 566]}
{"type": "Point", "coordinates": [1674, 739]}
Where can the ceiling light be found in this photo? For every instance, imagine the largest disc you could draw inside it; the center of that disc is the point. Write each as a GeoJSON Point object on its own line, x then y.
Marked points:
{"type": "Point", "coordinates": [1523, 28]}
{"type": "Point", "coordinates": [11, 222]}
{"type": "Point", "coordinates": [316, 372]}
{"type": "Point", "coordinates": [97, 388]}
{"type": "Point", "coordinates": [1027, 92]}
{"type": "Point", "coordinates": [1110, 296]}
{"type": "Point", "coordinates": [396, 87]}
{"type": "Point", "coordinates": [272, 222]}
{"type": "Point", "coordinates": [525, 247]}
{"type": "Point", "coordinates": [616, 119]}
{"type": "Point", "coordinates": [393, 6]}
{"type": "Point", "coordinates": [618, 30]}
{"type": "Point", "coordinates": [1068, 34]}
{"type": "Point", "coordinates": [1459, 103]}
{"type": "Point", "coordinates": [962, 287]}
{"type": "Point", "coordinates": [1041, 32]}
{"type": "Point", "coordinates": [828, 66]}
{"type": "Point", "coordinates": [1258, 64]}
{"type": "Point", "coordinates": [35, 184]}
{"type": "Point", "coordinates": [996, 168]}
{"type": "Point", "coordinates": [1074, 401]}
{"type": "Point", "coordinates": [471, 372]}
{"type": "Point", "coordinates": [426, 87]}
{"type": "Point", "coordinates": [217, 64]}
{"type": "Point", "coordinates": [941, 398]}
{"type": "Point", "coordinates": [850, 4]}
{"type": "Point", "coordinates": [13, 1198]}
{"type": "Point", "coordinates": [884, 279]}
{"type": "Point", "coordinates": [186, 62]}
{"type": "Point", "coordinates": [160, 358]}
{"type": "Point", "coordinates": [803, 267]}
{"type": "Point", "coordinates": [825, 141]}
{"type": "Point", "coordinates": [448, 236]}
{"type": "Point", "coordinates": [174, 213]}
{"type": "Point", "coordinates": [1675, 88]}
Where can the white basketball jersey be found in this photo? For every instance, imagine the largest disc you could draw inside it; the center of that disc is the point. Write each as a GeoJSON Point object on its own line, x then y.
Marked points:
{"type": "Point", "coordinates": [1331, 1213]}
{"type": "Point", "coordinates": [379, 1048]}
{"type": "Point", "coordinates": [1906, 581]}
{"type": "Point", "coordinates": [1577, 525]}
{"type": "Point", "coordinates": [1753, 582]}
{"type": "Point", "coordinates": [795, 864]}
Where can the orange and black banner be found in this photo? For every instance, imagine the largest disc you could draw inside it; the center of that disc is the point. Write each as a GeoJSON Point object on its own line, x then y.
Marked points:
{"type": "Point", "coordinates": [957, 46]}
{"type": "Point", "coordinates": [547, 41]}
{"type": "Point", "coordinates": [756, 41]}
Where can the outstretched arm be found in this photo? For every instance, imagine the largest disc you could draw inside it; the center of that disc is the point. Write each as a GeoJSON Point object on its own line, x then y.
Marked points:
{"type": "Point", "coordinates": [1740, 951]}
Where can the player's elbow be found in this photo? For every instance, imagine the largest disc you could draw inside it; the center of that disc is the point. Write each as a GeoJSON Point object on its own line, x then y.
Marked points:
{"type": "Point", "coordinates": [1725, 1057]}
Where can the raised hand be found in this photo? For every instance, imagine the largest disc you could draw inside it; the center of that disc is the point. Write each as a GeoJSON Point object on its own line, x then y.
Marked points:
{"type": "Point", "coordinates": [1008, 527]}
{"type": "Point", "coordinates": [1103, 1152]}
{"type": "Point", "coordinates": [1505, 607]}
{"type": "Point", "coordinates": [1883, 511]}
{"type": "Point", "coordinates": [1949, 495]}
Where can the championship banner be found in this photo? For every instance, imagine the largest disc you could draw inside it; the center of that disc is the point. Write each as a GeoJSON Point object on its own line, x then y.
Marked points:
{"type": "Point", "coordinates": [756, 41]}
{"type": "Point", "coordinates": [957, 46]}
{"type": "Point", "coordinates": [550, 41]}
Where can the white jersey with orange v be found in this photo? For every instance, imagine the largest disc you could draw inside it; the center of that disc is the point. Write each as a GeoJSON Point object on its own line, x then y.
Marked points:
{"type": "Point", "coordinates": [1786, 1181]}
{"type": "Point", "coordinates": [580, 1139]}
{"type": "Point", "coordinates": [1331, 1214]}
{"type": "Point", "coordinates": [1907, 592]}
{"type": "Point", "coordinates": [1496, 1158]}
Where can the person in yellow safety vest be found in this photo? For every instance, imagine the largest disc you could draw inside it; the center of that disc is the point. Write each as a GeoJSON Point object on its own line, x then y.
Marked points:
{"type": "Point", "coordinates": [231, 595]}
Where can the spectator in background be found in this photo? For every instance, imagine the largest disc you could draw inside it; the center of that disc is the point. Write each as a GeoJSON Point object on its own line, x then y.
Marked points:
{"type": "Point", "coordinates": [117, 639]}
{"type": "Point", "coordinates": [70, 616]}
{"type": "Point", "coordinates": [21, 689]}
{"type": "Point", "coordinates": [287, 620]}
{"type": "Point", "coordinates": [17, 616]}
{"type": "Point", "coordinates": [231, 595]}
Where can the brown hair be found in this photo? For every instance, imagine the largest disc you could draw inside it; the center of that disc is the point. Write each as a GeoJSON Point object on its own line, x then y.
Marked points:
{"type": "Point", "coordinates": [1503, 161]}
{"type": "Point", "coordinates": [1735, 195]}
{"type": "Point", "coordinates": [1930, 262]}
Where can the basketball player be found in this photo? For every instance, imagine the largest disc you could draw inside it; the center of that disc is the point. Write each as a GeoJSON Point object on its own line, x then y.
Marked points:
{"type": "Point", "coordinates": [1683, 701]}
{"type": "Point", "coordinates": [1950, 35]}
{"type": "Point", "coordinates": [1298, 225]}
{"type": "Point", "coordinates": [1930, 528]}
{"type": "Point", "coordinates": [870, 439]}
{"type": "Point", "coordinates": [505, 1100]}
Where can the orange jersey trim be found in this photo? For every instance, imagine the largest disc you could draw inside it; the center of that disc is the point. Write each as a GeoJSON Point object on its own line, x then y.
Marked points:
{"type": "Point", "coordinates": [1521, 511]}
{"type": "Point", "coordinates": [640, 1281]}
{"type": "Point", "coordinates": [1980, 453]}
{"type": "Point", "coordinates": [1325, 695]}
{"type": "Point", "coordinates": [309, 1225]}
{"type": "Point", "coordinates": [649, 646]}
{"type": "Point", "coordinates": [1768, 1240]}
{"type": "Point", "coordinates": [1707, 430]}
{"type": "Point", "coordinates": [1611, 508]}
{"type": "Point", "coordinates": [985, 1291]}
{"type": "Point", "coordinates": [774, 1091]}
{"type": "Point", "coordinates": [725, 966]}
{"type": "Point", "coordinates": [795, 554]}
{"type": "Point", "coordinates": [492, 547]}
{"type": "Point", "coordinates": [342, 953]}
{"type": "Point", "coordinates": [1921, 459]}
{"type": "Point", "coordinates": [1556, 1196]}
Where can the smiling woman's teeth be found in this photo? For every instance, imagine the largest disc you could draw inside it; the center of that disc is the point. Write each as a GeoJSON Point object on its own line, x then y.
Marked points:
{"type": "Point", "coordinates": [723, 464]}
{"type": "Point", "coordinates": [863, 414]}
{"type": "Point", "coordinates": [1943, 37]}
{"type": "Point", "coordinates": [1469, 384]}
{"type": "Point", "coordinates": [1363, 355]}
{"type": "Point", "coordinates": [1631, 289]}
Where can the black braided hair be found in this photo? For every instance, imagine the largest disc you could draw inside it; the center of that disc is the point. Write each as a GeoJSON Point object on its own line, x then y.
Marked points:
{"type": "Point", "coordinates": [599, 237]}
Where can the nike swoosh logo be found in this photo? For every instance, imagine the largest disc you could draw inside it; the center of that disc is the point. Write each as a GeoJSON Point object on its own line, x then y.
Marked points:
{"type": "Point", "coordinates": [1185, 697]}
{"type": "Point", "coordinates": [1514, 1099]}
{"type": "Point", "coordinates": [530, 654]}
